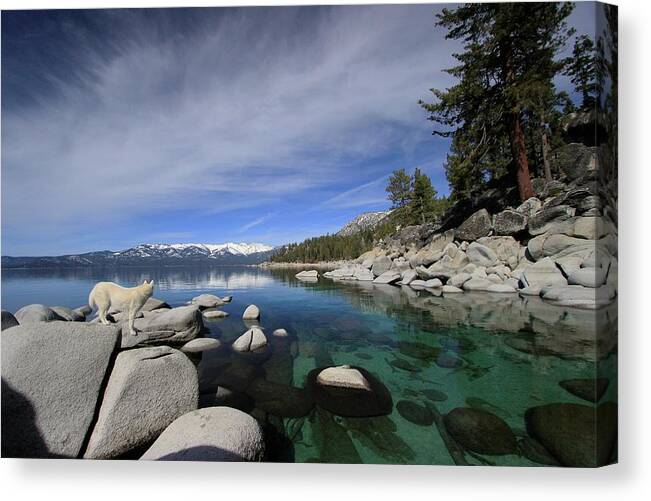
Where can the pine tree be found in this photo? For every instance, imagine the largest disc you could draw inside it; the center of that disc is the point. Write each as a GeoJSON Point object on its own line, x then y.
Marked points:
{"type": "Point", "coordinates": [582, 70]}
{"type": "Point", "coordinates": [507, 65]}
{"type": "Point", "coordinates": [399, 189]}
{"type": "Point", "coordinates": [422, 206]}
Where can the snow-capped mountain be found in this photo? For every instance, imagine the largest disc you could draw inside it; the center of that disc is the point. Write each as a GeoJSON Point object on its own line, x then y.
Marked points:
{"type": "Point", "coordinates": [153, 254]}
{"type": "Point", "coordinates": [191, 250]}
{"type": "Point", "coordinates": [362, 222]}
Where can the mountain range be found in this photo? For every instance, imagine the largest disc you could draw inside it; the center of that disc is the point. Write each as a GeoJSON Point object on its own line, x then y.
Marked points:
{"type": "Point", "coordinates": [150, 254]}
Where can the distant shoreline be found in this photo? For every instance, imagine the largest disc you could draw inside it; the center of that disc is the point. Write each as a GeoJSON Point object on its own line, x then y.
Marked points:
{"type": "Point", "coordinates": [322, 265]}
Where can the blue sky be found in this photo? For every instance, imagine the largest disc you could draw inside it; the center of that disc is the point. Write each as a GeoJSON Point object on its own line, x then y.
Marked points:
{"type": "Point", "coordinates": [122, 127]}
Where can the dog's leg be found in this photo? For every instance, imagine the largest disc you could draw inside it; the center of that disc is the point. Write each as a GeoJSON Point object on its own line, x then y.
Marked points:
{"type": "Point", "coordinates": [132, 318]}
{"type": "Point", "coordinates": [102, 315]}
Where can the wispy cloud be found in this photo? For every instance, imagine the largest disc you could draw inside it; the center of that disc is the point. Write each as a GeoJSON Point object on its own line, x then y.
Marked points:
{"type": "Point", "coordinates": [233, 113]}
{"type": "Point", "coordinates": [365, 194]}
{"type": "Point", "coordinates": [255, 222]}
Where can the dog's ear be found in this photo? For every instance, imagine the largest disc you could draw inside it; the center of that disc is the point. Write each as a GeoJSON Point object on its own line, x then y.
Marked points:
{"type": "Point", "coordinates": [151, 282]}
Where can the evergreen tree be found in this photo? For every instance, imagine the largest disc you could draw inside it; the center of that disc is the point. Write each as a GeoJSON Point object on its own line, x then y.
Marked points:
{"type": "Point", "coordinates": [399, 189]}
{"type": "Point", "coordinates": [582, 70]}
{"type": "Point", "coordinates": [422, 207]}
{"type": "Point", "coordinates": [505, 70]}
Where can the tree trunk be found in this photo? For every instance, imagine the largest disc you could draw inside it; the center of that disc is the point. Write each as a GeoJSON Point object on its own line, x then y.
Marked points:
{"type": "Point", "coordinates": [519, 154]}
{"type": "Point", "coordinates": [545, 150]}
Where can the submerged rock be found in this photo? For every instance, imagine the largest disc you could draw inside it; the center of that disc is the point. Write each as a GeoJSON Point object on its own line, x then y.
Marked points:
{"type": "Point", "coordinates": [352, 402]}
{"type": "Point", "coordinates": [480, 431]}
{"type": "Point", "coordinates": [210, 434]}
{"type": "Point", "coordinates": [415, 413]}
{"type": "Point", "coordinates": [588, 389]}
{"type": "Point", "coordinates": [280, 399]}
{"type": "Point", "coordinates": [576, 435]}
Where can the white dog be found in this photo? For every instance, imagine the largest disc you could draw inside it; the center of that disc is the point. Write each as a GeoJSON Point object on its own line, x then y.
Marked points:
{"type": "Point", "coordinates": [108, 294]}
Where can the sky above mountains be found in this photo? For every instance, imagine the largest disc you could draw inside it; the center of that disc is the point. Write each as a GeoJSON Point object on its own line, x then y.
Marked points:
{"type": "Point", "coordinates": [212, 125]}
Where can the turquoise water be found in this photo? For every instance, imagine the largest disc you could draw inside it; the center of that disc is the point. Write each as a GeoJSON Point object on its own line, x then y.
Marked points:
{"type": "Point", "coordinates": [498, 353]}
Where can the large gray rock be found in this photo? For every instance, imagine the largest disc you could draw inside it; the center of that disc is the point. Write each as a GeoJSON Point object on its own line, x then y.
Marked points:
{"type": "Point", "coordinates": [343, 376]}
{"type": "Point", "coordinates": [481, 255]}
{"type": "Point", "coordinates": [8, 320]}
{"type": "Point", "coordinates": [409, 276]}
{"type": "Point", "coordinates": [529, 207]}
{"type": "Point", "coordinates": [476, 226]}
{"type": "Point", "coordinates": [147, 390]}
{"type": "Point", "coordinates": [175, 326]}
{"type": "Point", "coordinates": [362, 274]}
{"type": "Point", "coordinates": [459, 279]}
{"type": "Point", "coordinates": [68, 314]}
{"type": "Point", "coordinates": [210, 434]}
{"type": "Point", "coordinates": [509, 222]}
{"type": "Point", "coordinates": [52, 376]}
{"type": "Point", "coordinates": [579, 296]}
{"type": "Point", "coordinates": [380, 265]}
{"type": "Point", "coordinates": [574, 160]}
{"type": "Point", "coordinates": [543, 273]}
{"type": "Point", "coordinates": [540, 222]}
{"type": "Point", "coordinates": [388, 277]}
{"type": "Point", "coordinates": [36, 313]}
{"type": "Point", "coordinates": [477, 284]}
{"type": "Point", "coordinates": [153, 303]}
{"type": "Point", "coordinates": [587, 277]}
{"type": "Point", "coordinates": [506, 248]}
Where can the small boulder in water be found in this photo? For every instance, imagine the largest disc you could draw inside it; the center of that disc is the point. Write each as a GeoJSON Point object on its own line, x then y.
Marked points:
{"type": "Point", "coordinates": [207, 301]}
{"type": "Point", "coordinates": [227, 299]}
{"type": "Point", "coordinates": [307, 274]}
{"type": "Point", "coordinates": [343, 376]}
{"type": "Point", "coordinates": [252, 340]}
{"type": "Point", "coordinates": [200, 345]}
{"type": "Point", "coordinates": [252, 312]}
{"type": "Point", "coordinates": [280, 333]}
{"type": "Point", "coordinates": [213, 314]}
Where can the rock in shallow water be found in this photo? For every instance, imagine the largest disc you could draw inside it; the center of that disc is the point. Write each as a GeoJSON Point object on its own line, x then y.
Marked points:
{"type": "Point", "coordinates": [280, 399]}
{"type": "Point", "coordinates": [576, 435]}
{"type": "Point", "coordinates": [207, 301]}
{"type": "Point", "coordinates": [252, 312]}
{"type": "Point", "coordinates": [213, 314]}
{"type": "Point", "coordinates": [175, 326]}
{"type": "Point", "coordinates": [200, 345]}
{"type": "Point", "coordinates": [343, 376]}
{"type": "Point", "coordinates": [480, 431]}
{"type": "Point", "coordinates": [210, 434]}
{"type": "Point", "coordinates": [252, 340]}
{"type": "Point", "coordinates": [147, 390]}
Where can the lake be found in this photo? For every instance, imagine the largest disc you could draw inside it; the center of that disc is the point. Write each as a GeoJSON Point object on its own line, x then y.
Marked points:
{"type": "Point", "coordinates": [501, 354]}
